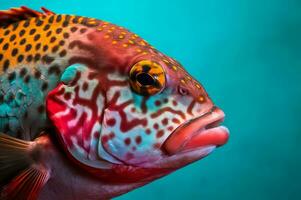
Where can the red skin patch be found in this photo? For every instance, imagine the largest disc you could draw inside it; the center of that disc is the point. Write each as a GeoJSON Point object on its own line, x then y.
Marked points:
{"type": "Point", "coordinates": [104, 139]}
{"type": "Point", "coordinates": [175, 120]}
{"type": "Point", "coordinates": [96, 135]}
{"type": "Point", "coordinates": [138, 139]}
{"type": "Point", "coordinates": [148, 131]}
{"type": "Point", "coordinates": [67, 95]}
{"type": "Point", "coordinates": [127, 141]}
{"type": "Point", "coordinates": [111, 135]}
{"type": "Point", "coordinates": [160, 133]}
{"type": "Point", "coordinates": [157, 103]}
{"type": "Point", "coordinates": [111, 122]}
{"type": "Point", "coordinates": [165, 121]}
{"type": "Point", "coordinates": [85, 86]}
{"type": "Point", "coordinates": [156, 126]}
{"type": "Point", "coordinates": [170, 128]}
{"type": "Point", "coordinates": [174, 103]}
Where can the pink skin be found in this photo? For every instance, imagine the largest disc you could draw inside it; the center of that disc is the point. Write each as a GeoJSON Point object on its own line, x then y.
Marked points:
{"type": "Point", "coordinates": [125, 139]}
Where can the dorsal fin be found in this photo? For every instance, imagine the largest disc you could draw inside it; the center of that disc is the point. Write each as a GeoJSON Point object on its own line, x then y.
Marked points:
{"type": "Point", "coordinates": [17, 14]}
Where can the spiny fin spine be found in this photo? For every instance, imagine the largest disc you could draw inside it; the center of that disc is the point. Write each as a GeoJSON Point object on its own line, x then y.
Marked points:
{"type": "Point", "coordinates": [17, 14]}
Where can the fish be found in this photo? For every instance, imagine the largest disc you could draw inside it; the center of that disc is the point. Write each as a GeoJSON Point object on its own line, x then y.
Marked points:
{"type": "Point", "coordinates": [90, 110]}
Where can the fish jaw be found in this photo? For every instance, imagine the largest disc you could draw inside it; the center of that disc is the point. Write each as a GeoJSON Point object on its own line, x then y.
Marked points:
{"type": "Point", "coordinates": [201, 132]}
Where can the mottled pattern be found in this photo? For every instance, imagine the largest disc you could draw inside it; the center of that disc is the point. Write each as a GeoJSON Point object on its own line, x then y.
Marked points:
{"type": "Point", "coordinates": [112, 97]}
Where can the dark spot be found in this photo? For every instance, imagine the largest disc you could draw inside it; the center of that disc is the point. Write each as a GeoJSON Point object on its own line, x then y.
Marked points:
{"type": "Point", "coordinates": [127, 141]}
{"type": "Point", "coordinates": [67, 95]}
{"type": "Point", "coordinates": [75, 19]}
{"type": "Point", "coordinates": [14, 52]}
{"type": "Point", "coordinates": [63, 53]}
{"type": "Point", "coordinates": [5, 47]}
{"type": "Point", "coordinates": [39, 22]}
{"type": "Point", "coordinates": [55, 49]}
{"type": "Point", "coordinates": [73, 29]}
{"type": "Point", "coordinates": [46, 27]}
{"type": "Point", "coordinates": [5, 65]}
{"type": "Point", "coordinates": [158, 103]}
{"type": "Point", "coordinates": [1, 56]}
{"type": "Point", "coordinates": [65, 24]}
{"type": "Point", "coordinates": [1, 40]}
{"type": "Point", "coordinates": [11, 76]}
{"type": "Point", "coordinates": [36, 37]}
{"type": "Point", "coordinates": [32, 31]}
{"type": "Point", "coordinates": [52, 39]}
{"type": "Point", "coordinates": [28, 47]}
{"type": "Point", "coordinates": [48, 33]}
{"type": "Point", "coordinates": [111, 122]}
{"type": "Point", "coordinates": [23, 71]}
{"type": "Point", "coordinates": [59, 18]}
{"type": "Point", "coordinates": [138, 139]}
{"type": "Point", "coordinates": [20, 58]}
{"type": "Point", "coordinates": [38, 46]}
{"type": "Point", "coordinates": [6, 32]}
{"type": "Point", "coordinates": [85, 86]}
{"type": "Point", "coordinates": [41, 109]}
{"type": "Point", "coordinates": [54, 70]}
{"type": "Point", "coordinates": [37, 74]}
{"type": "Point", "coordinates": [26, 24]}
{"type": "Point", "coordinates": [62, 42]}
{"type": "Point", "coordinates": [59, 30]}
{"type": "Point", "coordinates": [47, 59]}
{"type": "Point", "coordinates": [27, 78]}
{"type": "Point", "coordinates": [50, 20]}
{"type": "Point", "coordinates": [165, 121]}
{"type": "Point", "coordinates": [160, 133]}
{"type": "Point", "coordinates": [12, 38]}
{"type": "Point", "coordinates": [45, 48]}
{"type": "Point", "coordinates": [83, 30]}
{"type": "Point", "coordinates": [29, 58]}
{"type": "Point", "coordinates": [22, 41]}
{"type": "Point", "coordinates": [44, 86]}
{"type": "Point", "coordinates": [37, 57]}
{"type": "Point", "coordinates": [22, 32]}
{"type": "Point", "coordinates": [66, 35]}
{"type": "Point", "coordinates": [15, 25]}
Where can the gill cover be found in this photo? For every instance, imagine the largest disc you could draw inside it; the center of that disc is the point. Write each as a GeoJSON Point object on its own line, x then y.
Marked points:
{"type": "Point", "coordinates": [75, 107]}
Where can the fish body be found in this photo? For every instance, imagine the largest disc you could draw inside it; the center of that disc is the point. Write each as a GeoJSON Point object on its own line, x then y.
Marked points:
{"type": "Point", "coordinates": [90, 110]}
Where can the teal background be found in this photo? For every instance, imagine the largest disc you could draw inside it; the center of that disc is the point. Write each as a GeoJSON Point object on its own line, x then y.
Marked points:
{"type": "Point", "coordinates": [247, 54]}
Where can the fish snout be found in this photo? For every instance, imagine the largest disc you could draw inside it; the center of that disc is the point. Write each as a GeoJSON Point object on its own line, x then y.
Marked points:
{"type": "Point", "coordinates": [201, 132]}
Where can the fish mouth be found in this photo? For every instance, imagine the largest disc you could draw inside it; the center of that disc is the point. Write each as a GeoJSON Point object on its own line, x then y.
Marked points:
{"type": "Point", "coordinates": [198, 133]}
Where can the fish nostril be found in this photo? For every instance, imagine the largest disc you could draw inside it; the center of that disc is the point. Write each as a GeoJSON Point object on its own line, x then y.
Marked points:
{"type": "Point", "coordinates": [183, 91]}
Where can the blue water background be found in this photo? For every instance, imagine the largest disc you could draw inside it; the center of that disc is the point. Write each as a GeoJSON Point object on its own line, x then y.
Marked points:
{"type": "Point", "coordinates": [247, 54]}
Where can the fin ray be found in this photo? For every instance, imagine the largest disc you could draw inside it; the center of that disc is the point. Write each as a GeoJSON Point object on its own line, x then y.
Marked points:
{"type": "Point", "coordinates": [17, 14]}
{"type": "Point", "coordinates": [27, 185]}
{"type": "Point", "coordinates": [21, 174]}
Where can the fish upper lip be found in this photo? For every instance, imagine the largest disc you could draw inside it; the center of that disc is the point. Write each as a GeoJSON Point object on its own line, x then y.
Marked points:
{"type": "Point", "coordinates": [198, 132]}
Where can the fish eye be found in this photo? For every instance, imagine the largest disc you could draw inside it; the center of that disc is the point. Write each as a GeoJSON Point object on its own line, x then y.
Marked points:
{"type": "Point", "coordinates": [147, 78]}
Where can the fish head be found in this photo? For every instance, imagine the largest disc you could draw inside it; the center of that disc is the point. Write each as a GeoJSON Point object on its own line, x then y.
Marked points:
{"type": "Point", "coordinates": [135, 111]}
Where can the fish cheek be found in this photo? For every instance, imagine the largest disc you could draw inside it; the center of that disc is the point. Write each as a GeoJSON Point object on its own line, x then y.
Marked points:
{"type": "Point", "coordinates": [75, 107]}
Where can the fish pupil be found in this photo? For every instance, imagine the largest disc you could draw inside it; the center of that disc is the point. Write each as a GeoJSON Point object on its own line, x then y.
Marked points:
{"type": "Point", "coordinates": [145, 79]}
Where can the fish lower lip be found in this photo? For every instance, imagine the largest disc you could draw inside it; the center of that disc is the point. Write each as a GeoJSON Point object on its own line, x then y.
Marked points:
{"type": "Point", "coordinates": [199, 132]}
